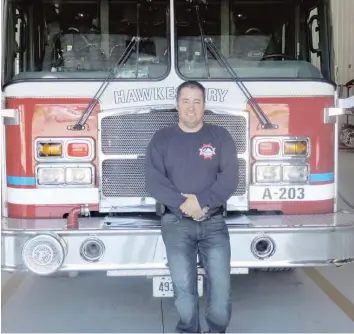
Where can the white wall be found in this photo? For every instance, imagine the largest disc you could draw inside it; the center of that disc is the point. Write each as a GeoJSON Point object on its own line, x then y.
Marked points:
{"type": "Point", "coordinates": [343, 36]}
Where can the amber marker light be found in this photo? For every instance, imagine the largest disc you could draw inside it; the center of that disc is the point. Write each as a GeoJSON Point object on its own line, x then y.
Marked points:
{"type": "Point", "coordinates": [296, 147]}
{"type": "Point", "coordinates": [50, 150]}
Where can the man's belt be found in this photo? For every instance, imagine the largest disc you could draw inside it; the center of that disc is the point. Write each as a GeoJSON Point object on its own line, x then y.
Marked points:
{"type": "Point", "coordinates": [207, 216]}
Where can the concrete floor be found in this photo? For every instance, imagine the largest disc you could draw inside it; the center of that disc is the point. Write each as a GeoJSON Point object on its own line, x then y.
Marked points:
{"type": "Point", "coordinates": [310, 300]}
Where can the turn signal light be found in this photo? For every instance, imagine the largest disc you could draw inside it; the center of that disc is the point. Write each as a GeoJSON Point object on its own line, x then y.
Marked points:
{"type": "Point", "coordinates": [50, 150]}
{"type": "Point", "coordinates": [78, 150]}
{"type": "Point", "coordinates": [269, 148]}
{"type": "Point", "coordinates": [295, 147]}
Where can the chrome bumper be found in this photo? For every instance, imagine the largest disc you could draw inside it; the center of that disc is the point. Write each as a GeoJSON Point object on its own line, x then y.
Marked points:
{"type": "Point", "coordinates": [134, 247]}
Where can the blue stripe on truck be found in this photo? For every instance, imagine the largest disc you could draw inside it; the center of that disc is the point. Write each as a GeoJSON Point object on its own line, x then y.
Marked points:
{"type": "Point", "coordinates": [31, 181]}
{"type": "Point", "coordinates": [323, 177]}
{"type": "Point", "coordinates": [21, 180]}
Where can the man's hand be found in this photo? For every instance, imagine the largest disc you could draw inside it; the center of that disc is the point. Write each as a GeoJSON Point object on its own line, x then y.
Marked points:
{"type": "Point", "coordinates": [192, 208]}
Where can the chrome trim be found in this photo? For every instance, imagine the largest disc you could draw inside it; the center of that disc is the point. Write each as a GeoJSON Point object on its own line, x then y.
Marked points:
{"type": "Point", "coordinates": [140, 204]}
{"type": "Point", "coordinates": [58, 244]}
{"type": "Point", "coordinates": [90, 241]}
{"type": "Point", "coordinates": [172, 40]}
{"type": "Point", "coordinates": [261, 254]}
{"type": "Point", "coordinates": [11, 116]}
{"type": "Point", "coordinates": [336, 166]}
{"type": "Point", "coordinates": [124, 203]}
{"type": "Point", "coordinates": [135, 246]}
{"type": "Point", "coordinates": [330, 115]}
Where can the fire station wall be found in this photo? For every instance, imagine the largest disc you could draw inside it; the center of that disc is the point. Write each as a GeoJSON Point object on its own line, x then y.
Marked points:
{"type": "Point", "coordinates": [343, 35]}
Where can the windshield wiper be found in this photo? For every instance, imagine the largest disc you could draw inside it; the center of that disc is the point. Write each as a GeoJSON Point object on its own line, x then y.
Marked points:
{"type": "Point", "coordinates": [205, 50]}
{"type": "Point", "coordinates": [265, 121]}
{"type": "Point", "coordinates": [80, 125]}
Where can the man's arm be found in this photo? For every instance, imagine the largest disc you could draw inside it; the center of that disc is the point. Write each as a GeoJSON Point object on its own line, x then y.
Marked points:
{"type": "Point", "coordinates": [157, 184]}
{"type": "Point", "coordinates": [227, 179]}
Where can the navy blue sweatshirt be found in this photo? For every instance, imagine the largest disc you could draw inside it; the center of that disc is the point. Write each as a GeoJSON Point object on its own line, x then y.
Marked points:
{"type": "Point", "coordinates": [203, 163]}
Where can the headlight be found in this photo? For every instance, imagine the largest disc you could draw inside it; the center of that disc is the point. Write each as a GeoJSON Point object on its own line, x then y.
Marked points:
{"type": "Point", "coordinates": [295, 174]}
{"type": "Point", "coordinates": [265, 174]}
{"type": "Point", "coordinates": [79, 175]}
{"type": "Point", "coordinates": [50, 176]}
{"type": "Point", "coordinates": [65, 175]}
{"type": "Point", "coordinates": [44, 254]}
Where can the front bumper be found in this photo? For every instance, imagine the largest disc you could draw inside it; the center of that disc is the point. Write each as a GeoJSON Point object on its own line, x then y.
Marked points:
{"type": "Point", "coordinates": [134, 246]}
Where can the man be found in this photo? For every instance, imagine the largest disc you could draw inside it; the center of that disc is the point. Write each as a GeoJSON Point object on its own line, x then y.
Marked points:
{"type": "Point", "coordinates": [192, 170]}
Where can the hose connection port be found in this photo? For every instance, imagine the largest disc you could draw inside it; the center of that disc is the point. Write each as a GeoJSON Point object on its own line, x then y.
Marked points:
{"type": "Point", "coordinates": [92, 250]}
{"type": "Point", "coordinates": [263, 247]}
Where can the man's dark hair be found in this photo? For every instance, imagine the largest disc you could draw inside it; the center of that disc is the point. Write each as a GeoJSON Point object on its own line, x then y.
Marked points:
{"type": "Point", "coordinates": [190, 84]}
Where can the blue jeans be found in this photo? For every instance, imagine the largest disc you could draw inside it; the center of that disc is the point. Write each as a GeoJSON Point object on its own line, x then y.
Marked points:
{"type": "Point", "coordinates": [184, 239]}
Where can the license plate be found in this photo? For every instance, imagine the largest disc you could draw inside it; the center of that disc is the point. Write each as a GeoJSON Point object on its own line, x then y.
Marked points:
{"type": "Point", "coordinates": [163, 287]}
{"type": "Point", "coordinates": [239, 271]}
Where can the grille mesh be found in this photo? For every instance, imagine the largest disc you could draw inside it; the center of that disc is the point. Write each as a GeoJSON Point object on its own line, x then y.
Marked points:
{"type": "Point", "coordinates": [131, 133]}
{"type": "Point", "coordinates": [126, 178]}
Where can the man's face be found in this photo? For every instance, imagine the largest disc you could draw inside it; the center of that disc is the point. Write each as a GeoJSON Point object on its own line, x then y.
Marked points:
{"type": "Point", "coordinates": [190, 107]}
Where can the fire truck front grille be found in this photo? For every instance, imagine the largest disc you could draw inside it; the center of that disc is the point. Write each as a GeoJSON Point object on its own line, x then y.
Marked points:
{"type": "Point", "coordinates": [131, 133]}
{"type": "Point", "coordinates": [124, 140]}
{"type": "Point", "coordinates": [125, 178]}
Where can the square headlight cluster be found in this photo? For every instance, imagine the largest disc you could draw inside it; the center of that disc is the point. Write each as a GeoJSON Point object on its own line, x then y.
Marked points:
{"type": "Point", "coordinates": [64, 162]}
{"type": "Point", "coordinates": [281, 173]}
{"type": "Point", "coordinates": [65, 175]}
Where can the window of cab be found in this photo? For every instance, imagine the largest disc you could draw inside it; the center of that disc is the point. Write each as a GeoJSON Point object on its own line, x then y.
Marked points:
{"type": "Point", "coordinates": [262, 39]}
{"type": "Point", "coordinates": [84, 39]}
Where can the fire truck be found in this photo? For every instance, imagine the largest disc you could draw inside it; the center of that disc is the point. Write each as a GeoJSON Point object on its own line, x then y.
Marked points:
{"type": "Point", "coordinates": [85, 85]}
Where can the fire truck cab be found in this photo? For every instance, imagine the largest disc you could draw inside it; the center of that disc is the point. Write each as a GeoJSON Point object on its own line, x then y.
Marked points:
{"type": "Point", "coordinates": [86, 83]}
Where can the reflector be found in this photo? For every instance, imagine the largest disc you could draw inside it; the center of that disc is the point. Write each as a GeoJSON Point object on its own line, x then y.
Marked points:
{"type": "Point", "coordinates": [269, 148]}
{"type": "Point", "coordinates": [78, 150]}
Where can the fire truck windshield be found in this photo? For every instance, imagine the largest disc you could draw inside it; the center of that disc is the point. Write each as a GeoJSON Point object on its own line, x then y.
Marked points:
{"type": "Point", "coordinates": [85, 38]}
{"type": "Point", "coordinates": [259, 39]}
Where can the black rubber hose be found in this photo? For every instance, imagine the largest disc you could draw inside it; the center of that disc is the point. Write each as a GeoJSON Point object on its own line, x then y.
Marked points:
{"type": "Point", "coordinates": [346, 201]}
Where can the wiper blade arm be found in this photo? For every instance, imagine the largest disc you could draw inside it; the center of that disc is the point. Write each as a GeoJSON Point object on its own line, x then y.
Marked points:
{"type": "Point", "coordinates": [207, 41]}
{"type": "Point", "coordinates": [80, 125]}
{"type": "Point", "coordinates": [266, 123]}
{"type": "Point", "coordinates": [205, 50]}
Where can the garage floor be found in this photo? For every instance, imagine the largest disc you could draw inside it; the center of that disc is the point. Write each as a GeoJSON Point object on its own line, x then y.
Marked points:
{"type": "Point", "coordinates": [309, 300]}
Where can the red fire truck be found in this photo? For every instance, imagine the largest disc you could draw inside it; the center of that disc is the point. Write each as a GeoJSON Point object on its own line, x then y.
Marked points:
{"type": "Point", "coordinates": [86, 83]}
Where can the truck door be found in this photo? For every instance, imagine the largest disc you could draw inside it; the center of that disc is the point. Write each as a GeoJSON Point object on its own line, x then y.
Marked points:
{"type": "Point", "coordinates": [13, 23]}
